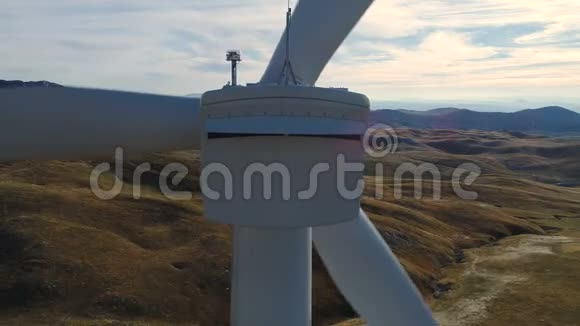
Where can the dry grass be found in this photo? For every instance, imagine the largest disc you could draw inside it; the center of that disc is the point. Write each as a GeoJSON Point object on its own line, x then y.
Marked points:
{"type": "Point", "coordinates": [69, 258]}
{"type": "Point", "coordinates": [525, 280]}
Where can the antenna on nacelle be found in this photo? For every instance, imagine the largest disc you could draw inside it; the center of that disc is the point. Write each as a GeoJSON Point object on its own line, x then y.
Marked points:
{"type": "Point", "coordinates": [234, 57]}
{"type": "Point", "coordinates": [288, 77]}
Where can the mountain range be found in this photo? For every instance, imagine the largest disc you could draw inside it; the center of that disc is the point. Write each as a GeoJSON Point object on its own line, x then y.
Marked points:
{"type": "Point", "coordinates": [551, 120]}
{"type": "Point", "coordinates": [20, 83]}
{"type": "Point", "coordinates": [546, 120]}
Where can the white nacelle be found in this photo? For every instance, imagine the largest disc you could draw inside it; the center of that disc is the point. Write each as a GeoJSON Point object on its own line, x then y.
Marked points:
{"type": "Point", "coordinates": [278, 156]}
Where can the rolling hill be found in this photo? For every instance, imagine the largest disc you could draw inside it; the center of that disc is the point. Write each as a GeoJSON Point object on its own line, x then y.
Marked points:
{"type": "Point", "coordinates": [68, 258]}
{"type": "Point", "coordinates": [548, 120]}
{"type": "Point", "coordinates": [19, 83]}
{"type": "Point", "coordinates": [552, 120]}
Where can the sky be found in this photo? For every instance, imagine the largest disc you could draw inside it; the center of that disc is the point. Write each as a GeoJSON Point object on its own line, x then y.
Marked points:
{"type": "Point", "coordinates": [491, 54]}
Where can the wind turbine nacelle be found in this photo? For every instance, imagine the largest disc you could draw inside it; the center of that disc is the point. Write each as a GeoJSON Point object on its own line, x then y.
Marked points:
{"type": "Point", "coordinates": [282, 156]}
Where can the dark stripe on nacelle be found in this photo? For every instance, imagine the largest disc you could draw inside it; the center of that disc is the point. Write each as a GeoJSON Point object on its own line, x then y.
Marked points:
{"type": "Point", "coordinates": [218, 135]}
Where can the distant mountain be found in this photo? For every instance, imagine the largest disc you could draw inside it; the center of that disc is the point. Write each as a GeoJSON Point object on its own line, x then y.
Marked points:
{"type": "Point", "coordinates": [432, 112]}
{"type": "Point", "coordinates": [19, 83]}
{"type": "Point", "coordinates": [547, 120]}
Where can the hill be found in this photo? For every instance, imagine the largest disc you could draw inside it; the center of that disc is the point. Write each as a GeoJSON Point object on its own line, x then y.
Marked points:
{"type": "Point", "coordinates": [547, 120]}
{"type": "Point", "coordinates": [19, 83]}
{"type": "Point", "coordinates": [552, 120]}
{"type": "Point", "coordinates": [69, 258]}
{"type": "Point", "coordinates": [544, 159]}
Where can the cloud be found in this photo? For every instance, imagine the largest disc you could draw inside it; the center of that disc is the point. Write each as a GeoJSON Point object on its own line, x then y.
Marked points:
{"type": "Point", "coordinates": [419, 49]}
{"type": "Point", "coordinates": [469, 50]}
{"type": "Point", "coordinates": [116, 44]}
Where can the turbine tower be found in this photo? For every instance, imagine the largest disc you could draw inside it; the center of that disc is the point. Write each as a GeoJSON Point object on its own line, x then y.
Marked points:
{"type": "Point", "coordinates": [259, 145]}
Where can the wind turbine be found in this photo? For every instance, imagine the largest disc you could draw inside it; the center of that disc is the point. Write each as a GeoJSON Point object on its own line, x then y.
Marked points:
{"type": "Point", "coordinates": [283, 119]}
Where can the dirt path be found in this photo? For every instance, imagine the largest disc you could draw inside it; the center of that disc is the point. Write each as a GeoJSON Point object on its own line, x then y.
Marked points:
{"type": "Point", "coordinates": [522, 280]}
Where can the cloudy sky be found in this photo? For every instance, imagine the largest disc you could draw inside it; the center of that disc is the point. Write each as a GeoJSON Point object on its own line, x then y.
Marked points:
{"type": "Point", "coordinates": [515, 53]}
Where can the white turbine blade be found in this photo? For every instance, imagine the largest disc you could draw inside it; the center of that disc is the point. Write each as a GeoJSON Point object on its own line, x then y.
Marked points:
{"type": "Point", "coordinates": [318, 28]}
{"type": "Point", "coordinates": [369, 275]}
{"type": "Point", "coordinates": [61, 123]}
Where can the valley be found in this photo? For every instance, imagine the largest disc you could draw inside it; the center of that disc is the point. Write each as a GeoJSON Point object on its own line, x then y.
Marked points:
{"type": "Point", "coordinates": [69, 258]}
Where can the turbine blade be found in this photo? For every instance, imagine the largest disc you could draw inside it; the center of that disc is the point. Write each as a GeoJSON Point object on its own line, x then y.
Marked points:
{"type": "Point", "coordinates": [61, 123]}
{"type": "Point", "coordinates": [318, 28]}
{"type": "Point", "coordinates": [369, 275]}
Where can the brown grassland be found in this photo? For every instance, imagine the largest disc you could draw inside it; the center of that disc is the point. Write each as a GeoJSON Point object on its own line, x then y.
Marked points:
{"type": "Point", "coordinates": [67, 257]}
